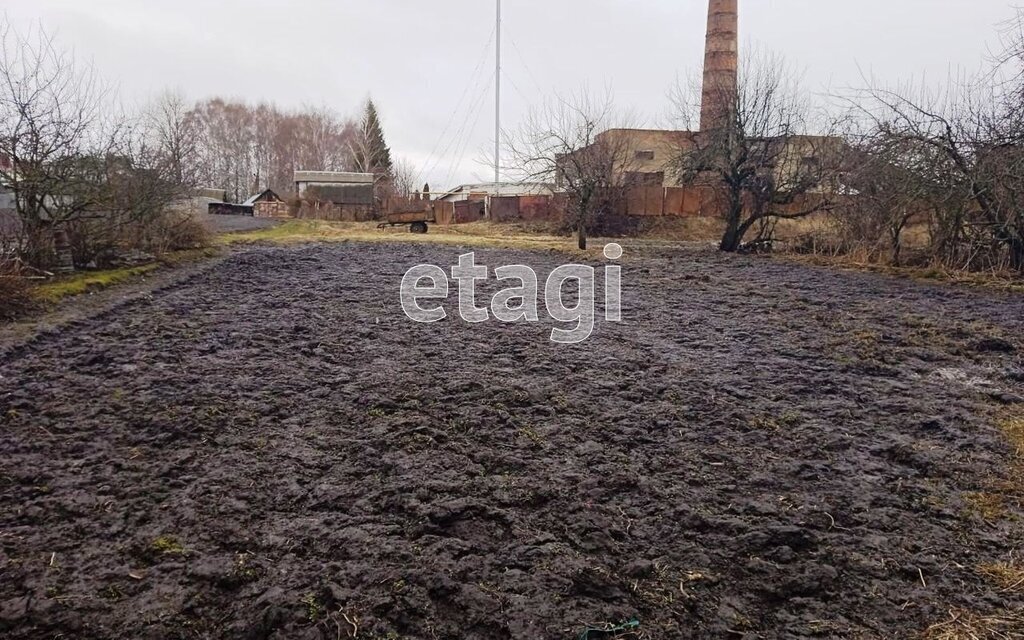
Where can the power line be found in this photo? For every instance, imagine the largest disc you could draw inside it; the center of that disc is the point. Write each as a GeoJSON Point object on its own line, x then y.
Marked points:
{"type": "Point", "coordinates": [465, 139]}
{"type": "Point", "coordinates": [455, 140]}
{"type": "Point", "coordinates": [526, 66]}
{"type": "Point", "coordinates": [451, 118]}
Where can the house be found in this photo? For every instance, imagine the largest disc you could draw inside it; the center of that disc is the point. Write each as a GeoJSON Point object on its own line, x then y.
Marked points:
{"type": "Point", "coordinates": [336, 195]}
{"type": "Point", "coordinates": [265, 204]}
{"type": "Point", "coordinates": [268, 205]}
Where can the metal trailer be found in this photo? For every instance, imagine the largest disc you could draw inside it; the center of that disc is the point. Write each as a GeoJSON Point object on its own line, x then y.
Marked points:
{"type": "Point", "coordinates": [417, 221]}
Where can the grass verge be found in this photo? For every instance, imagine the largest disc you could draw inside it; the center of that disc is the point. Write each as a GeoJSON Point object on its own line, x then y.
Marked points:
{"type": "Point", "coordinates": [75, 284]}
{"type": "Point", "coordinates": [84, 282]}
{"type": "Point", "coordinates": [1000, 281]}
{"type": "Point", "coordinates": [477, 234]}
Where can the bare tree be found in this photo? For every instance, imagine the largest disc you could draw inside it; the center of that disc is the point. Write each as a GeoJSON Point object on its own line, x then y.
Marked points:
{"type": "Point", "coordinates": [757, 158]}
{"type": "Point", "coordinates": [174, 129]}
{"type": "Point", "coordinates": [567, 143]}
{"type": "Point", "coordinates": [965, 142]}
{"type": "Point", "coordinates": [403, 177]}
{"type": "Point", "coordinates": [52, 134]}
{"type": "Point", "coordinates": [244, 149]}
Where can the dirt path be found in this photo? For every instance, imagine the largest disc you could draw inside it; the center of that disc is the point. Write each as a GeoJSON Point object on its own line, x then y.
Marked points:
{"type": "Point", "coordinates": [270, 449]}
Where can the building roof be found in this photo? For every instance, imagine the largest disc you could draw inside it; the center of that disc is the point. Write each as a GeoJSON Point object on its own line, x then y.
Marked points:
{"type": "Point", "coordinates": [251, 202]}
{"type": "Point", "coordinates": [334, 177]}
{"type": "Point", "coordinates": [501, 189]}
{"type": "Point", "coordinates": [210, 192]}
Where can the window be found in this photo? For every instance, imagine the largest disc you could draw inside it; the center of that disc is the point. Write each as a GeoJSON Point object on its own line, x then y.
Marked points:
{"type": "Point", "coordinates": [645, 155]}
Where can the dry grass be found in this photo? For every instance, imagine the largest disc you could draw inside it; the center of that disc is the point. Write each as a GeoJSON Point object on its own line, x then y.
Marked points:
{"type": "Point", "coordinates": [1012, 424]}
{"type": "Point", "coordinates": [1008, 576]}
{"type": "Point", "coordinates": [990, 507]}
{"type": "Point", "coordinates": [999, 280]}
{"type": "Point", "coordinates": [17, 295]}
{"type": "Point", "coordinates": [966, 625]}
{"type": "Point", "coordinates": [477, 234]}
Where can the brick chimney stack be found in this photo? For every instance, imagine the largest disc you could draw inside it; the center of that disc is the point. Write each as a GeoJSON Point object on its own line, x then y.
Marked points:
{"type": "Point", "coordinates": [721, 64]}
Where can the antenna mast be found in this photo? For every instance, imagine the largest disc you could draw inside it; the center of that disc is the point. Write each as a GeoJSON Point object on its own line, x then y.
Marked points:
{"type": "Point", "coordinates": [497, 104]}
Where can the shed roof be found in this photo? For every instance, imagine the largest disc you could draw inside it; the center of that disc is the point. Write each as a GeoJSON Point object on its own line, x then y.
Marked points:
{"type": "Point", "coordinates": [251, 202]}
{"type": "Point", "coordinates": [334, 177]}
{"type": "Point", "coordinates": [500, 189]}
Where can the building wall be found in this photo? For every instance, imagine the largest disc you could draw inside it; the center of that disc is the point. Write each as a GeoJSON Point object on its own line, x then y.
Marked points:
{"type": "Point", "coordinates": [649, 151]}
{"type": "Point", "coordinates": [336, 212]}
{"type": "Point", "coordinates": [337, 193]}
{"type": "Point", "coordinates": [504, 209]}
{"type": "Point", "coordinates": [6, 199]}
{"type": "Point", "coordinates": [228, 209]}
{"type": "Point", "coordinates": [272, 209]}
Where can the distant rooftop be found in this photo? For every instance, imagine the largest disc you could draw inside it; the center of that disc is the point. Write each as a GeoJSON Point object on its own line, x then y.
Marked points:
{"type": "Point", "coordinates": [499, 188]}
{"type": "Point", "coordinates": [334, 177]}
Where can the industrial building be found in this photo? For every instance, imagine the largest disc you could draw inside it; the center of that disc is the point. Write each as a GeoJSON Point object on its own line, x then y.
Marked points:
{"type": "Point", "coordinates": [649, 157]}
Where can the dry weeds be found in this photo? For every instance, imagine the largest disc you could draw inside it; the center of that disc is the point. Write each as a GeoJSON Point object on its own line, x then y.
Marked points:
{"type": "Point", "coordinates": [966, 625]}
{"type": "Point", "coordinates": [1008, 576]}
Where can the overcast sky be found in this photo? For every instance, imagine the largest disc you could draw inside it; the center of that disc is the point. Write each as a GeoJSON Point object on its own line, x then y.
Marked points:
{"type": "Point", "coordinates": [429, 64]}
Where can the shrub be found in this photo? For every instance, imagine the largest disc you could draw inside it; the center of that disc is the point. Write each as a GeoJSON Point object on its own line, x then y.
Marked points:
{"type": "Point", "coordinates": [177, 231]}
{"type": "Point", "coordinates": [17, 295]}
{"type": "Point", "coordinates": [104, 241]}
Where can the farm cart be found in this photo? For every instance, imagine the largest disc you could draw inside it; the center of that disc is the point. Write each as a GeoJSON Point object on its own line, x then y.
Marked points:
{"type": "Point", "coordinates": [417, 221]}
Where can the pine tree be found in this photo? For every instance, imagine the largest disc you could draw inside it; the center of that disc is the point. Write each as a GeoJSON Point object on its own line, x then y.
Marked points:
{"type": "Point", "coordinates": [370, 152]}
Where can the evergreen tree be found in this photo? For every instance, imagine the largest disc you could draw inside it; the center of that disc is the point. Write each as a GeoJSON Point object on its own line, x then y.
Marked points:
{"type": "Point", "coordinates": [370, 152]}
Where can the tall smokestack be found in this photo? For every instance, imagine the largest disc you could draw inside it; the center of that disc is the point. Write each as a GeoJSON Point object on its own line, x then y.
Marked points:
{"type": "Point", "coordinates": [721, 64]}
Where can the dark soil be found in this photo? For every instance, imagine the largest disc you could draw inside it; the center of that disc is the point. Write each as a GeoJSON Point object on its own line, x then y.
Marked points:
{"type": "Point", "coordinates": [270, 449]}
{"type": "Point", "coordinates": [235, 224]}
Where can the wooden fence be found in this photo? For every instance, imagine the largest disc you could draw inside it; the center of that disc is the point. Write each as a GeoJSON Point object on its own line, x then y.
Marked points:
{"type": "Point", "coordinates": [679, 202]}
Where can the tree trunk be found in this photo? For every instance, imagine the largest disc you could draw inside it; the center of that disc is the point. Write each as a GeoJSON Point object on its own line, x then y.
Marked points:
{"type": "Point", "coordinates": [731, 240]}
{"type": "Point", "coordinates": [581, 224]}
{"type": "Point", "coordinates": [1017, 254]}
{"type": "Point", "coordinates": [897, 246]}
{"type": "Point", "coordinates": [733, 236]}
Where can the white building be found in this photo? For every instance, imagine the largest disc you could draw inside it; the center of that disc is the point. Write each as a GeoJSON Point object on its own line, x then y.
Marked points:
{"type": "Point", "coordinates": [485, 190]}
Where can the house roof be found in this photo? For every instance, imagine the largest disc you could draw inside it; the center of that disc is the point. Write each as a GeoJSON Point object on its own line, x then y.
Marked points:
{"type": "Point", "coordinates": [251, 202]}
{"type": "Point", "coordinates": [334, 177]}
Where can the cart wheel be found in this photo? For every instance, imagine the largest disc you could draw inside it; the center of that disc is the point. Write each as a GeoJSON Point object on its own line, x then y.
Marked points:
{"type": "Point", "coordinates": [418, 227]}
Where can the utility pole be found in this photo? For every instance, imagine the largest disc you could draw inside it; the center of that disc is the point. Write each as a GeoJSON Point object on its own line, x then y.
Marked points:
{"type": "Point", "coordinates": [497, 105]}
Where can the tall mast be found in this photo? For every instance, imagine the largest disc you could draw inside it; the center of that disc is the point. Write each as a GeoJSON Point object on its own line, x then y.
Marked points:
{"type": "Point", "coordinates": [497, 103]}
